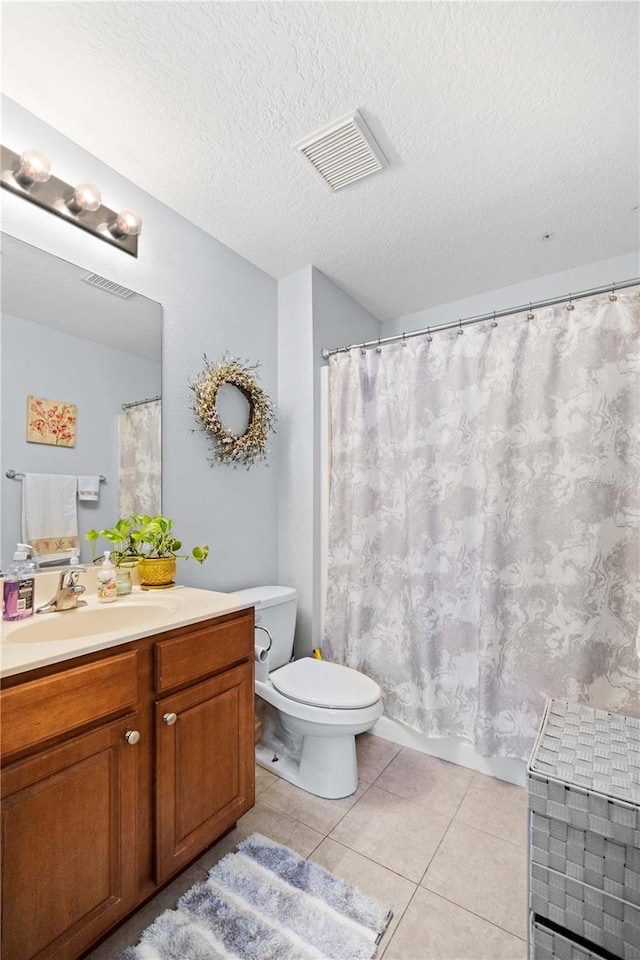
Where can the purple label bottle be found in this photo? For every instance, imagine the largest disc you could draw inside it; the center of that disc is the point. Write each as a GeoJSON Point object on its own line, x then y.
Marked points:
{"type": "Point", "coordinates": [17, 600]}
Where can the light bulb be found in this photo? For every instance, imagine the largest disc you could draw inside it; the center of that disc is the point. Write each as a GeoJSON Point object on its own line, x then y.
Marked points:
{"type": "Point", "coordinates": [85, 197]}
{"type": "Point", "coordinates": [127, 224]}
{"type": "Point", "coordinates": [34, 167]}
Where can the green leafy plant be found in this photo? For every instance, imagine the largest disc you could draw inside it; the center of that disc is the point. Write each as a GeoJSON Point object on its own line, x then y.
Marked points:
{"type": "Point", "coordinates": [143, 537]}
{"type": "Point", "coordinates": [124, 549]}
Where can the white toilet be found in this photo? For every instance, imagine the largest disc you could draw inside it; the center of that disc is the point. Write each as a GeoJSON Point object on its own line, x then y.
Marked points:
{"type": "Point", "coordinates": [311, 709]}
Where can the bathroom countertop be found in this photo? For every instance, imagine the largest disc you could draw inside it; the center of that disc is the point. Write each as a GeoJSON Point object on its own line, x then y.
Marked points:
{"type": "Point", "coordinates": [168, 610]}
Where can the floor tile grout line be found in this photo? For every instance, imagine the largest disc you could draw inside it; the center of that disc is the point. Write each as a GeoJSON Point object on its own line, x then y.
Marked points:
{"type": "Point", "coordinates": [353, 805]}
{"type": "Point", "coordinates": [474, 914]}
{"type": "Point", "coordinates": [401, 917]}
{"type": "Point", "coordinates": [305, 824]}
{"type": "Point", "coordinates": [391, 759]}
{"type": "Point", "coordinates": [453, 904]}
{"type": "Point", "coordinates": [445, 832]}
{"type": "Point", "coordinates": [494, 836]}
{"type": "Point", "coordinates": [365, 856]}
{"type": "Point", "coordinates": [422, 806]}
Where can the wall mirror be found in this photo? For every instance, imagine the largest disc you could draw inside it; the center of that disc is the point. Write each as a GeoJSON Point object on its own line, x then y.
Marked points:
{"type": "Point", "coordinates": [73, 338]}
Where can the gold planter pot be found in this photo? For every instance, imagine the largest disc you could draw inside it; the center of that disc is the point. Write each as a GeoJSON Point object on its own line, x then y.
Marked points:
{"type": "Point", "coordinates": [157, 573]}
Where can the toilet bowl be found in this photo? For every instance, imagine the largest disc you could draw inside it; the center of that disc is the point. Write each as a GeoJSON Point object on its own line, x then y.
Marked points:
{"type": "Point", "coordinates": [311, 709]}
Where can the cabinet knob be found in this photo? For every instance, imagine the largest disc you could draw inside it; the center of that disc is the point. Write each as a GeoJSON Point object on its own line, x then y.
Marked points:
{"type": "Point", "coordinates": [132, 736]}
{"type": "Point", "coordinates": [169, 719]}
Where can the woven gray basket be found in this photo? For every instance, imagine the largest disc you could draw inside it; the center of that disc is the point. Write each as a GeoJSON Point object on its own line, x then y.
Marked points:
{"type": "Point", "coordinates": [586, 857]}
{"type": "Point", "coordinates": [600, 918]}
{"type": "Point", "coordinates": [547, 944]}
{"type": "Point", "coordinates": [585, 771]}
{"type": "Point", "coordinates": [584, 851]}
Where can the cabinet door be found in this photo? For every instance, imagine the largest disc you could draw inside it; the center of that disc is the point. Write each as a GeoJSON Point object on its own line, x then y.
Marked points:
{"type": "Point", "coordinates": [68, 844]}
{"type": "Point", "coordinates": [205, 765]}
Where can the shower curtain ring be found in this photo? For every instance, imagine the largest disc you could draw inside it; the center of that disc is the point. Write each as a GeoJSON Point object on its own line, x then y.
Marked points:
{"type": "Point", "coordinates": [378, 348]}
{"type": "Point", "coordinates": [530, 315]}
{"type": "Point", "coordinates": [460, 330]}
{"type": "Point", "coordinates": [570, 306]}
{"type": "Point", "coordinates": [404, 339]}
{"type": "Point", "coordinates": [429, 337]}
{"type": "Point", "coordinates": [362, 350]}
{"type": "Point", "coordinates": [613, 295]}
{"type": "Point", "coordinates": [494, 322]}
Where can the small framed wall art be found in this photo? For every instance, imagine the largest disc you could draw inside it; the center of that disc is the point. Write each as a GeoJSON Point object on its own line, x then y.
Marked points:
{"type": "Point", "coordinates": [51, 421]}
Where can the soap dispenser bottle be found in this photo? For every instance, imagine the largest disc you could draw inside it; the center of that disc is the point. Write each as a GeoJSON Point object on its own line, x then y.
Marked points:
{"type": "Point", "coordinates": [107, 588]}
{"type": "Point", "coordinates": [19, 585]}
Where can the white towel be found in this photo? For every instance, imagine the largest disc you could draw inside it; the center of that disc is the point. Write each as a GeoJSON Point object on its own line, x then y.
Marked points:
{"type": "Point", "coordinates": [49, 513]}
{"type": "Point", "coordinates": [88, 488]}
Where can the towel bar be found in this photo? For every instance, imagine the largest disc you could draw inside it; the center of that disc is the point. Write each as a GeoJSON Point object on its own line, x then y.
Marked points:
{"type": "Point", "coordinates": [12, 475]}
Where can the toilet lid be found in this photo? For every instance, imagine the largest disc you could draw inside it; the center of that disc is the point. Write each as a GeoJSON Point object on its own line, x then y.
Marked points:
{"type": "Point", "coordinates": [325, 684]}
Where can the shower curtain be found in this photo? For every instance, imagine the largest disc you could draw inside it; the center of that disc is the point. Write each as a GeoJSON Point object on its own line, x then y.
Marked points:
{"type": "Point", "coordinates": [484, 520]}
{"type": "Point", "coordinates": [140, 432]}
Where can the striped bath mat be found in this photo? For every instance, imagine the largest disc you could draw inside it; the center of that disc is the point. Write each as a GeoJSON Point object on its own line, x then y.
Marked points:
{"type": "Point", "coordinates": [264, 902]}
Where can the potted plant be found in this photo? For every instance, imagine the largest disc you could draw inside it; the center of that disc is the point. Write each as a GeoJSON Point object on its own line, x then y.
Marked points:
{"type": "Point", "coordinates": [124, 550]}
{"type": "Point", "coordinates": [158, 548]}
{"type": "Point", "coordinates": [149, 543]}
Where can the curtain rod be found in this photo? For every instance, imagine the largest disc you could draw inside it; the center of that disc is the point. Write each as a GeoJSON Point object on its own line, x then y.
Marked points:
{"type": "Point", "coordinates": [14, 475]}
{"type": "Point", "coordinates": [492, 315]}
{"type": "Point", "coordinates": [137, 403]}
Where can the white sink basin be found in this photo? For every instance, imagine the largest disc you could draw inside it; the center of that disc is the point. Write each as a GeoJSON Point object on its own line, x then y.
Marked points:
{"type": "Point", "coordinates": [47, 638]}
{"type": "Point", "coordinates": [91, 621]}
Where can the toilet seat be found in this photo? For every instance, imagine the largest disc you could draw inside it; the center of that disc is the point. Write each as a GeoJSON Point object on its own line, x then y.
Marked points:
{"type": "Point", "coordinates": [324, 684]}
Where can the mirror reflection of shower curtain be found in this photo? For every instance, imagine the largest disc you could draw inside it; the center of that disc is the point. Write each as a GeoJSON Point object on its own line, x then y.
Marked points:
{"type": "Point", "coordinates": [140, 482]}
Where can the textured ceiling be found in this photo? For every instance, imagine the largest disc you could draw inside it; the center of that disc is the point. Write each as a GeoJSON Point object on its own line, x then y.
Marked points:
{"type": "Point", "coordinates": [501, 121]}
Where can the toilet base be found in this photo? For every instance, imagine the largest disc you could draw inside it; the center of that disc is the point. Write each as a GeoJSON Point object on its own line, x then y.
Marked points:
{"type": "Point", "coordinates": [327, 766]}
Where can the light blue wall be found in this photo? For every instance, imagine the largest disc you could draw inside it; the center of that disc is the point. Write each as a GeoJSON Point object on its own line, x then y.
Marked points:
{"type": "Point", "coordinates": [213, 300]}
{"type": "Point", "coordinates": [312, 311]}
{"type": "Point", "coordinates": [295, 434]}
{"type": "Point", "coordinates": [591, 275]}
{"type": "Point", "coordinates": [97, 379]}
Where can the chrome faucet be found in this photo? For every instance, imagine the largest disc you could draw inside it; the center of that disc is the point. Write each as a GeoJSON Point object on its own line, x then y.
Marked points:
{"type": "Point", "coordinates": [68, 591]}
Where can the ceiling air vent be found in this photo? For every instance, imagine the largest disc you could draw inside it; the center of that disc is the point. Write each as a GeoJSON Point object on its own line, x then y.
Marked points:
{"type": "Point", "coordinates": [107, 285]}
{"type": "Point", "coordinates": [343, 152]}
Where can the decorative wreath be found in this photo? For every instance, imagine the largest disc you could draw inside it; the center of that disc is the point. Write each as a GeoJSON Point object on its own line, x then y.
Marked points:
{"type": "Point", "coordinates": [229, 448]}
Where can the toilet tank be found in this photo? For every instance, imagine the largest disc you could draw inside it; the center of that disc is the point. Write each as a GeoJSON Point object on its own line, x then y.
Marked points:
{"type": "Point", "coordinates": [275, 610]}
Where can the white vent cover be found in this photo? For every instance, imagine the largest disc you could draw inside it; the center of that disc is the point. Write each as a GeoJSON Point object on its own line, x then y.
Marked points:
{"type": "Point", "coordinates": [343, 152]}
{"type": "Point", "coordinates": [107, 285]}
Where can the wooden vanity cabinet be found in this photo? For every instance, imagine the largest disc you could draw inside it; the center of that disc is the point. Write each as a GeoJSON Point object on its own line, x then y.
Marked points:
{"type": "Point", "coordinates": [69, 867]}
{"type": "Point", "coordinates": [119, 768]}
{"type": "Point", "coordinates": [203, 735]}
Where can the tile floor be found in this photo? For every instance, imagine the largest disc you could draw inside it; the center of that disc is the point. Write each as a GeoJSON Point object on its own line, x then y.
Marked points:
{"type": "Point", "coordinates": [443, 846]}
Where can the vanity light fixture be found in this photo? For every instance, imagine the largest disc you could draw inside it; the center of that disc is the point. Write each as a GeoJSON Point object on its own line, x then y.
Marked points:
{"type": "Point", "coordinates": [127, 224]}
{"type": "Point", "coordinates": [34, 167]}
{"type": "Point", "coordinates": [85, 197]}
{"type": "Point", "coordinates": [29, 176]}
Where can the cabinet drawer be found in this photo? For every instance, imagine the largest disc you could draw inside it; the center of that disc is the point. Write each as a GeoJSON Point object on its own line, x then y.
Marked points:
{"type": "Point", "coordinates": [39, 710]}
{"type": "Point", "coordinates": [202, 651]}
